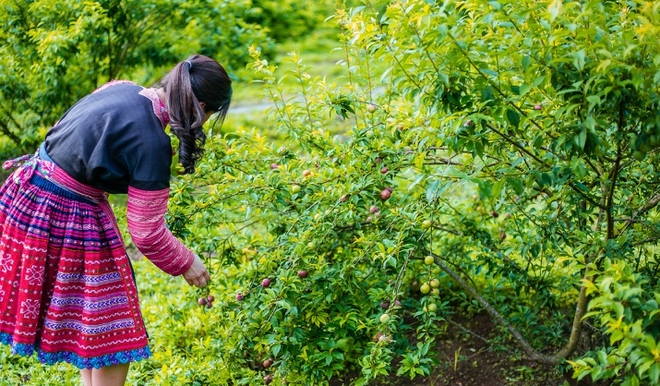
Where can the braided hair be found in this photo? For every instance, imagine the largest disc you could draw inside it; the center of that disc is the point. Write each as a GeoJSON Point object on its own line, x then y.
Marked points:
{"type": "Point", "coordinates": [194, 87]}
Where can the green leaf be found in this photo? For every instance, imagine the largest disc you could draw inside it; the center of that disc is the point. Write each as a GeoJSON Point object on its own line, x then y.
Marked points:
{"type": "Point", "coordinates": [596, 373]}
{"type": "Point", "coordinates": [516, 184]}
{"type": "Point", "coordinates": [513, 117]}
{"type": "Point", "coordinates": [276, 349]}
{"type": "Point", "coordinates": [419, 179]}
{"type": "Point", "coordinates": [526, 62]}
{"type": "Point", "coordinates": [538, 81]}
{"type": "Point", "coordinates": [485, 188]}
{"type": "Point", "coordinates": [643, 364]}
{"type": "Point", "coordinates": [555, 9]}
{"type": "Point", "coordinates": [581, 139]}
{"type": "Point", "coordinates": [654, 373]}
{"type": "Point", "coordinates": [632, 380]}
{"type": "Point", "coordinates": [593, 100]}
{"type": "Point", "coordinates": [524, 89]}
{"type": "Point", "coordinates": [497, 188]}
{"type": "Point", "coordinates": [390, 261]}
{"type": "Point", "coordinates": [432, 191]}
{"type": "Point", "coordinates": [487, 94]}
{"type": "Point", "coordinates": [579, 59]}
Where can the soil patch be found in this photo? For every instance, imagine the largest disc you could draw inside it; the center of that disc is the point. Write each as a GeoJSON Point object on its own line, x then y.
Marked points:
{"type": "Point", "coordinates": [467, 358]}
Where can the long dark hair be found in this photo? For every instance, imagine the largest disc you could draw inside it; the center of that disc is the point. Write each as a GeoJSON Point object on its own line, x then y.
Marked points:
{"type": "Point", "coordinates": [198, 79]}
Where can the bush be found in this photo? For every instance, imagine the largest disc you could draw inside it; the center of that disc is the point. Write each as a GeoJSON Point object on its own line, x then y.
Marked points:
{"type": "Point", "coordinates": [517, 141]}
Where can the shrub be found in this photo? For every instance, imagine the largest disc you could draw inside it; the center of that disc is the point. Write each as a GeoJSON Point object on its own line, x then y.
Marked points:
{"type": "Point", "coordinates": [518, 142]}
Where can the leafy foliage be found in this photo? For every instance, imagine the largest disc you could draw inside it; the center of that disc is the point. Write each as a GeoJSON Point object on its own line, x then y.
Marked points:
{"type": "Point", "coordinates": [288, 19]}
{"type": "Point", "coordinates": [58, 51]}
{"type": "Point", "coordinates": [517, 144]}
{"type": "Point", "coordinates": [627, 310]}
{"type": "Point", "coordinates": [475, 156]}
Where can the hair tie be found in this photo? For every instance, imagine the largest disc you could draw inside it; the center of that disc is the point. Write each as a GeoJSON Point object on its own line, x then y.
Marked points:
{"type": "Point", "coordinates": [189, 64]}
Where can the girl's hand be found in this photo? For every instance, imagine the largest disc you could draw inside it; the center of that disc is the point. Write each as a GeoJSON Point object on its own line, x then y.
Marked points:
{"type": "Point", "coordinates": [197, 274]}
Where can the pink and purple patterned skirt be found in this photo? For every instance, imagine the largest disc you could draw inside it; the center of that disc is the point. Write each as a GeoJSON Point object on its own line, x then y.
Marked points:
{"type": "Point", "coordinates": [67, 290]}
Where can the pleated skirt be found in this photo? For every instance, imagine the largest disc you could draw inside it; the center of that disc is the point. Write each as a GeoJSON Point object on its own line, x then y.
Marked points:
{"type": "Point", "coordinates": [67, 290]}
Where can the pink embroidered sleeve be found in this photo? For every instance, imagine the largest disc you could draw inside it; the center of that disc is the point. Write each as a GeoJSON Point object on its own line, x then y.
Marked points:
{"type": "Point", "coordinates": [146, 225]}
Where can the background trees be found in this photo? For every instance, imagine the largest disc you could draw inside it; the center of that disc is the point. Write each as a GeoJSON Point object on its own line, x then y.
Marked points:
{"type": "Point", "coordinates": [57, 51]}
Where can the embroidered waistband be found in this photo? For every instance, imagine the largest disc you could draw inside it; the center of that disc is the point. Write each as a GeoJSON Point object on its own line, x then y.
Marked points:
{"type": "Point", "coordinates": [41, 163]}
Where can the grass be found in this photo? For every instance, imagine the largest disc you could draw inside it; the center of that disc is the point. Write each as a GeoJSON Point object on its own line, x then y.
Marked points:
{"type": "Point", "coordinates": [319, 52]}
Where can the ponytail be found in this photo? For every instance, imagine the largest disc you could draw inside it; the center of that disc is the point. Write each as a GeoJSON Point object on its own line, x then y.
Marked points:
{"type": "Point", "coordinates": [190, 83]}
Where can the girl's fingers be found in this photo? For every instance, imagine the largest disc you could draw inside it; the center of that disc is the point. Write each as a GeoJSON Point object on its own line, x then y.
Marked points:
{"type": "Point", "coordinates": [200, 281]}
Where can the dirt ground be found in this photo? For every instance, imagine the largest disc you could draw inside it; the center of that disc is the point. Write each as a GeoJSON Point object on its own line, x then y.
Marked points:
{"type": "Point", "coordinates": [468, 360]}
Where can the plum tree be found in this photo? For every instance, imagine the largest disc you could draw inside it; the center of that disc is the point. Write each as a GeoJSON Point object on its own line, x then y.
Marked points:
{"type": "Point", "coordinates": [456, 126]}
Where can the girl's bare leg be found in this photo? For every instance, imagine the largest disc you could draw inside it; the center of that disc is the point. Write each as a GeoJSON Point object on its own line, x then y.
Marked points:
{"type": "Point", "coordinates": [114, 375]}
{"type": "Point", "coordinates": [86, 377]}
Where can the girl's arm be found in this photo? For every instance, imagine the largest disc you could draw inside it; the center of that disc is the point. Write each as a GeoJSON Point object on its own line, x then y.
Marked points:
{"type": "Point", "coordinates": [146, 224]}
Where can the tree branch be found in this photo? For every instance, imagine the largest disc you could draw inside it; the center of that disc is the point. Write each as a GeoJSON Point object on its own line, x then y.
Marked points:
{"type": "Point", "coordinates": [540, 161]}
{"type": "Point", "coordinates": [532, 353]}
{"type": "Point", "coordinates": [614, 173]}
{"type": "Point", "coordinates": [650, 204]}
{"type": "Point", "coordinates": [4, 128]}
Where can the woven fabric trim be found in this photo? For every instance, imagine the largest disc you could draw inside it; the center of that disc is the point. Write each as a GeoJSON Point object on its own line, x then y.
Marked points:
{"type": "Point", "coordinates": [50, 358]}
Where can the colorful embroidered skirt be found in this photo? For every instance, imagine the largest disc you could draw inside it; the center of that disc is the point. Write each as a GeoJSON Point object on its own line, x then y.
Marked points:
{"type": "Point", "coordinates": [66, 285]}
